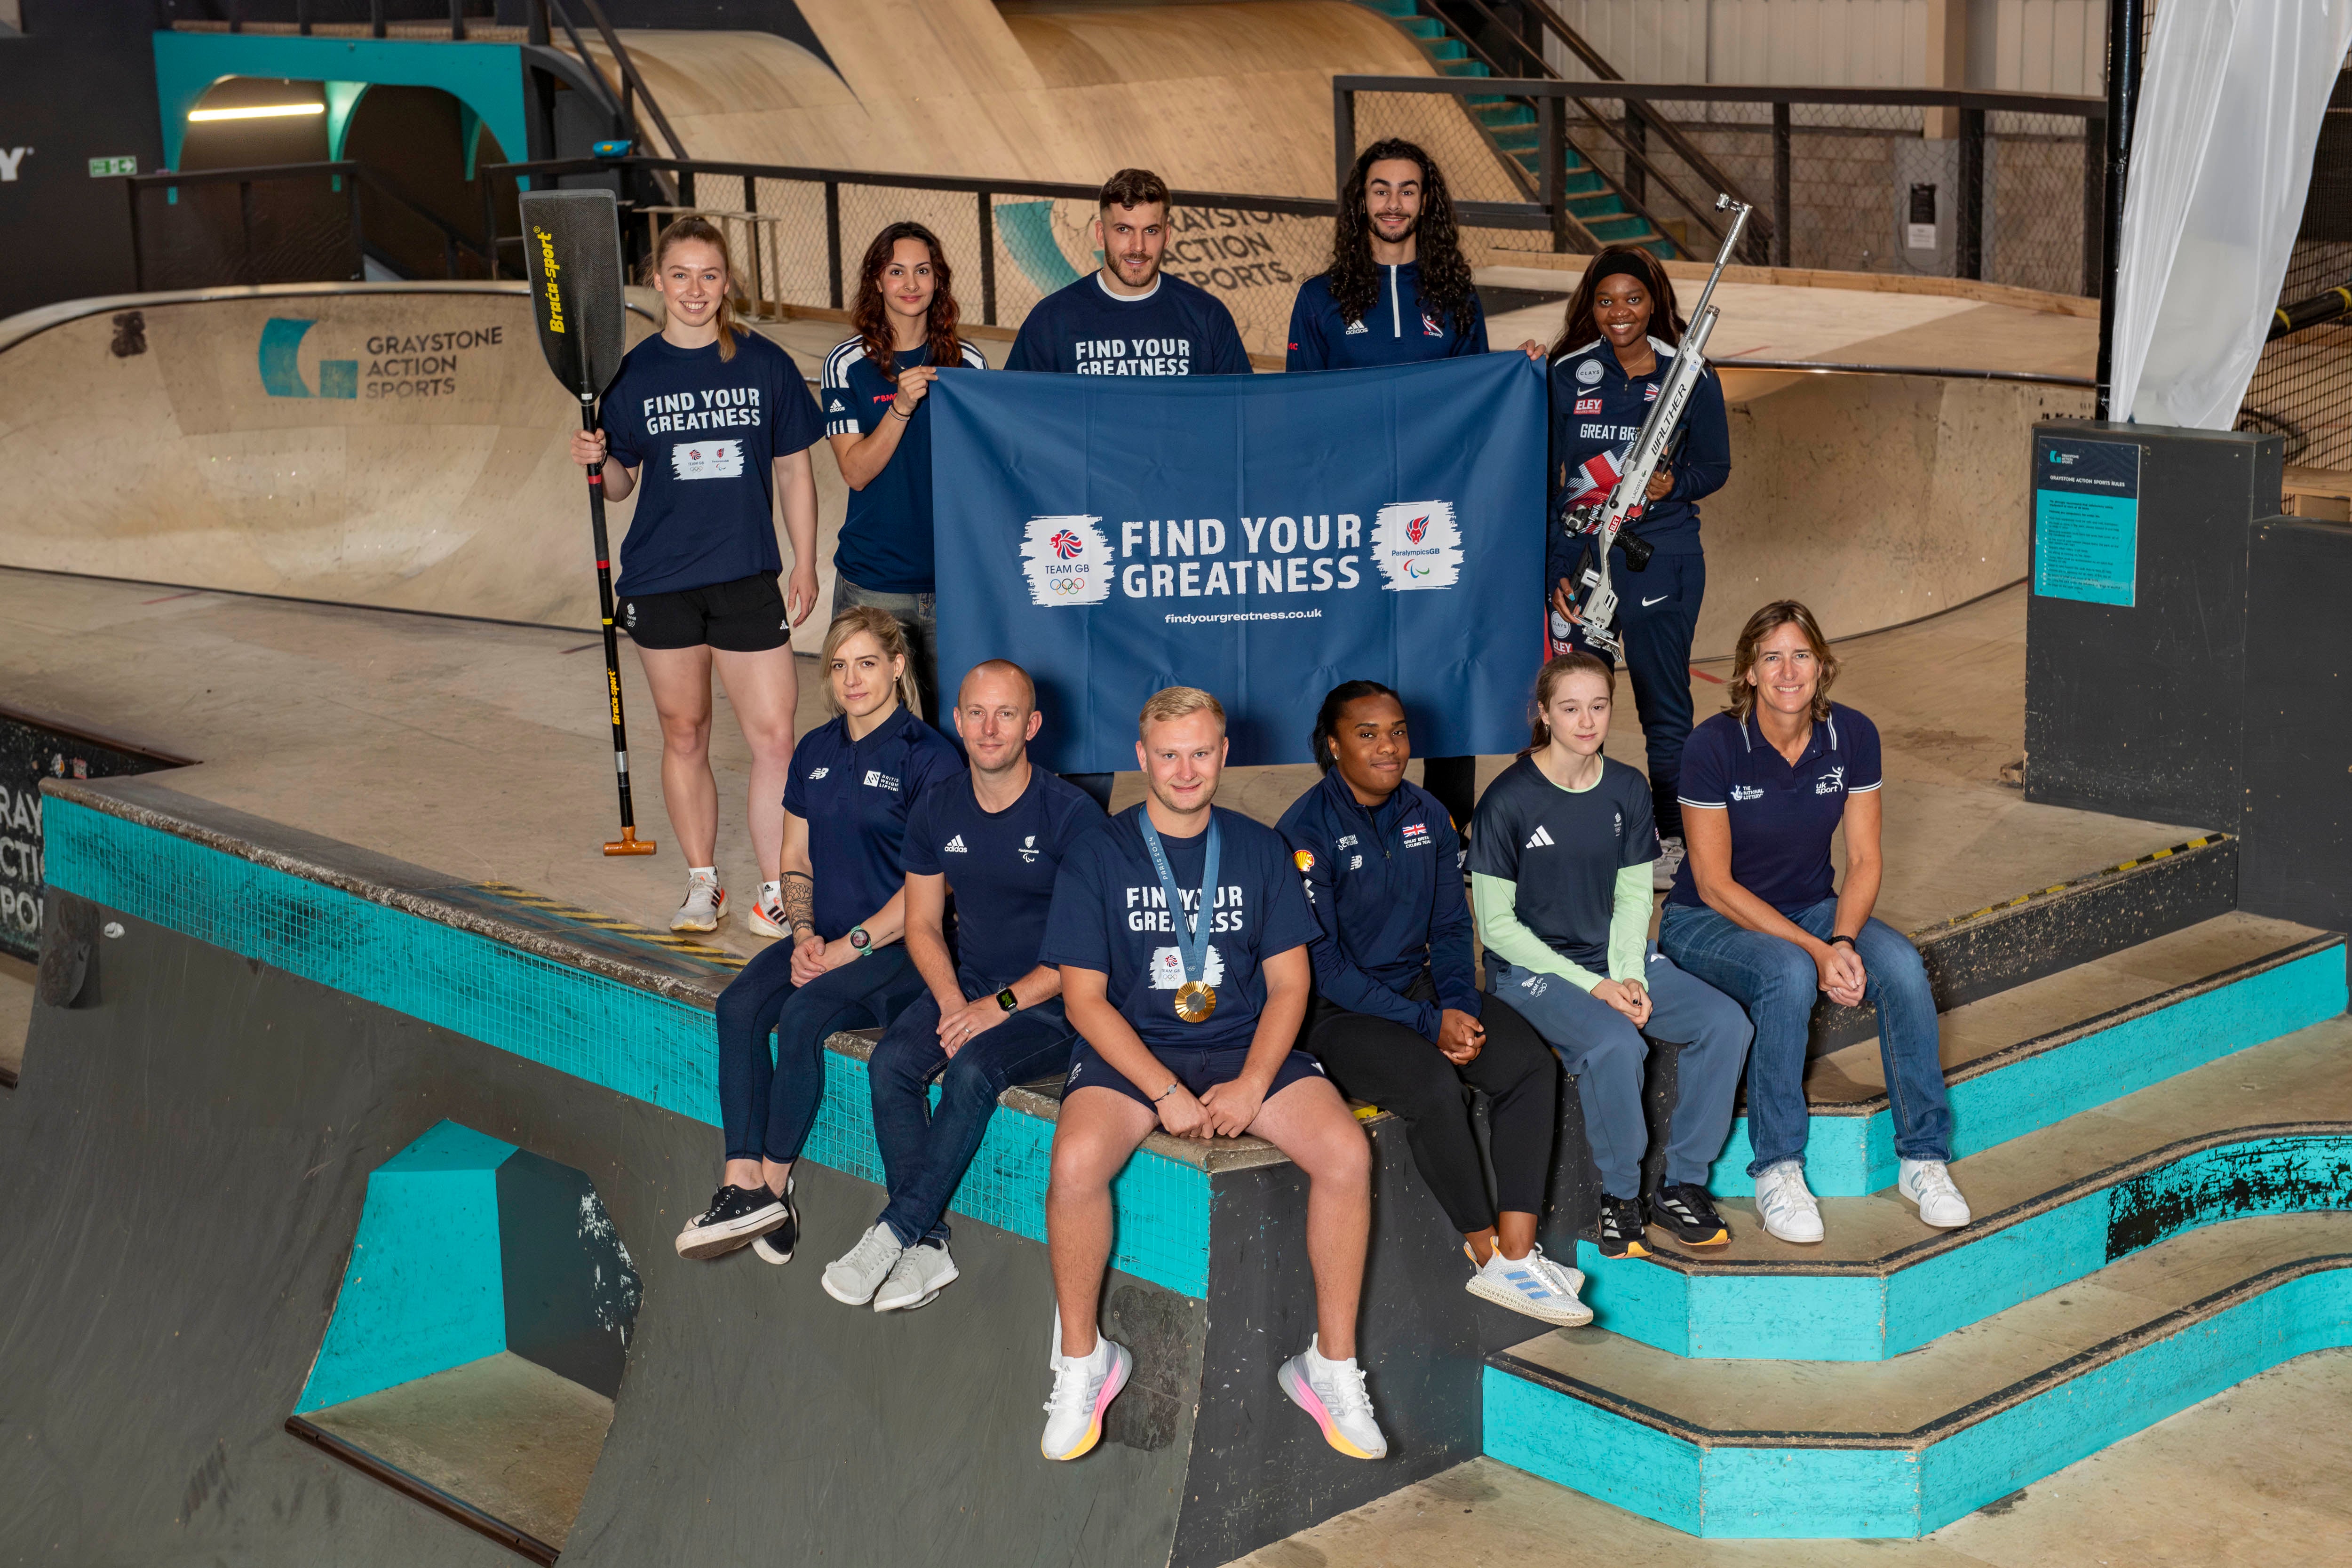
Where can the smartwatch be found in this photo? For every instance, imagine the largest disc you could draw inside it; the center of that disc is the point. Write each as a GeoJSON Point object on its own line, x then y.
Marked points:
{"type": "Point", "coordinates": [1008, 1001]}
{"type": "Point", "coordinates": [861, 941]}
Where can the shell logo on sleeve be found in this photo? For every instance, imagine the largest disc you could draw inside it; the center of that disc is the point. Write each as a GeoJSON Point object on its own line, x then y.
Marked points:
{"type": "Point", "coordinates": [1304, 860]}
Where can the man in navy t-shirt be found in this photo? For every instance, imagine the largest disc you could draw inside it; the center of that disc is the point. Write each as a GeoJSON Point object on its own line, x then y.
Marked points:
{"type": "Point", "coordinates": [995, 837]}
{"type": "Point", "coordinates": [1182, 933]}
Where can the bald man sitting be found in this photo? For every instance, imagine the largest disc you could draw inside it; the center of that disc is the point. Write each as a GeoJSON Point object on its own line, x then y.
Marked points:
{"type": "Point", "coordinates": [994, 838]}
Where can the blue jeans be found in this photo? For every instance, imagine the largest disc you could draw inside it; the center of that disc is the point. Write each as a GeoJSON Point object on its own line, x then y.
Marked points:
{"type": "Point", "coordinates": [1776, 980]}
{"type": "Point", "coordinates": [1606, 1054]}
{"type": "Point", "coordinates": [925, 1152]}
{"type": "Point", "coordinates": [766, 1105]}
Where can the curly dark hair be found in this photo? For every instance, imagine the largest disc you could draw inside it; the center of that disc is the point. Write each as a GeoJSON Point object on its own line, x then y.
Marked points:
{"type": "Point", "coordinates": [1335, 702]}
{"type": "Point", "coordinates": [1445, 282]}
{"type": "Point", "coordinates": [1578, 328]}
{"type": "Point", "coordinates": [870, 316]}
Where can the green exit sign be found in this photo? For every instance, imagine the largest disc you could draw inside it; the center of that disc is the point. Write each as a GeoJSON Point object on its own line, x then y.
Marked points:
{"type": "Point", "coordinates": [100, 168]}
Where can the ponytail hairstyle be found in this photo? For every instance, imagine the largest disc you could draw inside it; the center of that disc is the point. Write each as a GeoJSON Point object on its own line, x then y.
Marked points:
{"type": "Point", "coordinates": [1335, 702]}
{"type": "Point", "coordinates": [1548, 679]}
{"type": "Point", "coordinates": [692, 225]}
{"type": "Point", "coordinates": [884, 629]}
{"type": "Point", "coordinates": [869, 315]}
{"type": "Point", "coordinates": [1741, 701]}
{"type": "Point", "coordinates": [1578, 328]}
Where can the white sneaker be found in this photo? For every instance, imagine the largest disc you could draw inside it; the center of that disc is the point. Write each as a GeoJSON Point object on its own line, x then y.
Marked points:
{"type": "Point", "coordinates": [1669, 861]}
{"type": "Point", "coordinates": [767, 916]}
{"type": "Point", "coordinates": [1084, 1387]}
{"type": "Point", "coordinates": [1533, 1285]}
{"type": "Point", "coordinates": [1333, 1393]}
{"type": "Point", "coordinates": [1928, 1185]}
{"type": "Point", "coordinates": [916, 1279]}
{"type": "Point", "coordinates": [1786, 1204]}
{"type": "Point", "coordinates": [853, 1277]}
{"type": "Point", "coordinates": [706, 902]}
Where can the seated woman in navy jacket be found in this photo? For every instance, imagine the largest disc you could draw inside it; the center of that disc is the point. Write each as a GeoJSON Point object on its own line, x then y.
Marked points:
{"type": "Point", "coordinates": [1398, 1019]}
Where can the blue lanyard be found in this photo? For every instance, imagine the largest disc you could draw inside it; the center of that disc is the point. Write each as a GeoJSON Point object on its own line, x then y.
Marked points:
{"type": "Point", "coordinates": [1192, 941]}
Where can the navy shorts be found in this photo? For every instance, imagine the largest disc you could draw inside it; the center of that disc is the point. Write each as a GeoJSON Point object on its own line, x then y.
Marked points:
{"type": "Point", "coordinates": [1196, 1068]}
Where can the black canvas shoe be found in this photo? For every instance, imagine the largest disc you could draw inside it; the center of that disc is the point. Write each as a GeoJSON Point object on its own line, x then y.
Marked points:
{"type": "Point", "coordinates": [736, 1214]}
{"type": "Point", "coordinates": [1684, 1211]}
{"type": "Point", "coordinates": [776, 1246]}
{"type": "Point", "coordinates": [1618, 1230]}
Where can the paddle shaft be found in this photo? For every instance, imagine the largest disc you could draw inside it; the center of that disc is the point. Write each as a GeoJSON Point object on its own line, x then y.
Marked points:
{"type": "Point", "coordinates": [612, 642]}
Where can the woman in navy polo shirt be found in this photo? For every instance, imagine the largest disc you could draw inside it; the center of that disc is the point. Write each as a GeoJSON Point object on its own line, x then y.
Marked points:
{"type": "Point", "coordinates": [876, 415]}
{"type": "Point", "coordinates": [1755, 913]}
{"type": "Point", "coordinates": [716, 423]}
{"type": "Point", "coordinates": [1607, 368]}
{"type": "Point", "coordinates": [1397, 1018]}
{"type": "Point", "coordinates": [851, 782]}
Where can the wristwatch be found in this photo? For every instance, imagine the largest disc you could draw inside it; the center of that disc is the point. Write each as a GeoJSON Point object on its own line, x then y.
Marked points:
{"type": "Point", "coordinates": [861, 941]}
{"type": "Point", "coordinates": [1008, 1001]}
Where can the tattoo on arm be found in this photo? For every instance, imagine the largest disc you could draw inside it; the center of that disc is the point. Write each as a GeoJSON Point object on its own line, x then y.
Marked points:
{"type": "Point", "coordinates": [800, 902]}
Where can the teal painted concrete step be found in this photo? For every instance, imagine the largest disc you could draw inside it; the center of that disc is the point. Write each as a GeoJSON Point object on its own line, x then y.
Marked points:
{"type": "Point", "coordinates": [1808, 1450]}
{"type": "Point", "coordinates": [2039, 1059]}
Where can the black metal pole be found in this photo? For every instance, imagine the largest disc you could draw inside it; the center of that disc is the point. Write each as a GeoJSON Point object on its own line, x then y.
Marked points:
{"type": "Point", "coordinates": [612, 641]}
{"type": "Point", "coordinates": [1969, 241]}
{"type": "Point", "coordinates": [987, 259]}
{"type": "Point", "coordinates": [2124, 20]}
{"type": "Point", "coordinates": [1781, 150]}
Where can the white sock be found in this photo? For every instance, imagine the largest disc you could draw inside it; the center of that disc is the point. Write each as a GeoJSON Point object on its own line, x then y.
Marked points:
{"type": "Point", "coordinates": [702, 873]}
{"type": "Point", "coordinates": [1317, 1351]}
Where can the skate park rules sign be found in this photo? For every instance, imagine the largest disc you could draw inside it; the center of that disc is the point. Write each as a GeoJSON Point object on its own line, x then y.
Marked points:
{"type": "Point", "coordinates": [1263, 537]}
{"type": "Point", "coordinates": [2086, 521]}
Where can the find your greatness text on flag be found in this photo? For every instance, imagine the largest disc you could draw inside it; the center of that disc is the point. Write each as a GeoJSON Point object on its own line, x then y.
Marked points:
{"type": "Point", "coordinates": [1263, 537]}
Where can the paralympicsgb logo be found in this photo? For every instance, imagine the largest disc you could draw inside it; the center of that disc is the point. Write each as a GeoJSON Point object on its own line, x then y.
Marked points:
{"type": "Point", "coordinates": [1417, 544]}
{"type": "Point", "coordinates": [1066, 560]}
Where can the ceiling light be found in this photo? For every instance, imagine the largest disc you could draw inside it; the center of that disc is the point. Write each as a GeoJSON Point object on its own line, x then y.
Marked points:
{"type": "Point", "coordinates": [258, 111]}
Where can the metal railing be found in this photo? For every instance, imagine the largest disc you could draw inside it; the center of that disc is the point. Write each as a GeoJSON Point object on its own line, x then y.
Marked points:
{"type": "Point", "coordinates": [2015, 196]}
{"type": "Point", "coordinates": [282, 223]}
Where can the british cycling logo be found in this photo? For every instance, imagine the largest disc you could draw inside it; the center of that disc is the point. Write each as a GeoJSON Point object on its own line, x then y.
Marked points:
{"type": "Point", "coordinates": [1417, 544]}
{"type": "Point", "coordinates": [1066, 560]}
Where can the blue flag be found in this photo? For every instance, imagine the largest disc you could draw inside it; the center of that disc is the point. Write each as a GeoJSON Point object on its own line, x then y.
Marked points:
{"type": "Point", "coordinates": [1263, 537]}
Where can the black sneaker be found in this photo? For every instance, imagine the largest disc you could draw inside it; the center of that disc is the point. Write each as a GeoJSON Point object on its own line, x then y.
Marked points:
{"type": "Point", "coordinates": [1618, 1230]}
{"type": "Point", "coordinates": [776, 1246]}
{"type": "Point", "coordinates": [1684, 1210]}
{"type": "Point", "coordinates": [736, 1214]}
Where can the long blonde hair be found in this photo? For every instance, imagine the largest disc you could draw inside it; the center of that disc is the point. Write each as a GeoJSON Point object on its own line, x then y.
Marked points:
{"type": "Point", "coordinates": [1763, 623]}
{"type": "Point", "coordinates": [884, 629]}
{"type": "Point", "coordinates": [694, 227]}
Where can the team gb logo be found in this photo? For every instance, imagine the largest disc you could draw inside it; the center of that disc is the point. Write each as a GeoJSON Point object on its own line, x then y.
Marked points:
{"type": "Point", "coordinates": [1067, 560]}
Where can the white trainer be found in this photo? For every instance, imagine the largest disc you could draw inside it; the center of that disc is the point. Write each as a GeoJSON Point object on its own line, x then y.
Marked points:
{"type": "Point", "coordinates": [916, 1281]}
{"type": "Point", "coordinates": [767, 916]}
{"type": "Point", "coordinates": [853, 1277]}
{"type": "Point", "coordinates": [1332, 1392]}
{"type": "Point", "coordinates": [1084, 1387]}
{"type": "Point", "coordinates": [1533, 1285]}
{"type": "Point", "coordinates": [1928, 1185]}
{"type": "Point", "coordinates": [705, 905]}
{"type": "Point", "coordinates": [1786, 1204]}
{"type": "Point", "coordinates": [1669, 861]}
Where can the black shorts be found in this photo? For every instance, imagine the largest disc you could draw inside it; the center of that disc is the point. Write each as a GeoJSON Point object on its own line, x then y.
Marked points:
{"type": "Point", "coordinates": [1196, 1069]}
{"type": "Point", "coordinates": [746, 616]}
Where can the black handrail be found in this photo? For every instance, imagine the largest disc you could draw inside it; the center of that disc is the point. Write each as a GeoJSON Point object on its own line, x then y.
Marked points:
{"type": "Point", "coordinates": [452, 240]}
{"type": "Point", "coordinates": [1990, 101]}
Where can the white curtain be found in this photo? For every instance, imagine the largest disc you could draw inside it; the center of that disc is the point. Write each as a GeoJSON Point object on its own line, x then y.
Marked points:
{"type": "Point", "coordinates": [2229, 112]}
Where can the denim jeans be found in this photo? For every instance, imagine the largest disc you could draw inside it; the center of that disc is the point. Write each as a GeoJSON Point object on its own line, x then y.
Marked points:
{"type": "Point", "coordinates": [766, 1105]}
{"type": "Point", "coordinates": [926, 1152]}
{"type": "Point", "coordinates": [1776, 980]}
{"type": "Point", "coordinates": [918, 616]}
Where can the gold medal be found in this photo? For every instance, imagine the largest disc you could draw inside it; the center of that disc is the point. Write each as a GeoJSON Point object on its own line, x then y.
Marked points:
{"type": "Point", "coordinates": [1195, 1001]}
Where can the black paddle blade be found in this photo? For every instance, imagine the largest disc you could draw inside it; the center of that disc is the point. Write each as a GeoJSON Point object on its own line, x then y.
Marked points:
{"type": "Point", "coordinates": [572, 242]}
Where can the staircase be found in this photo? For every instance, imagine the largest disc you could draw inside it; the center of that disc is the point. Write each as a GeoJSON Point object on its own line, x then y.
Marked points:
{"type": "Point", "coordinates": [2158, 1147]}
{"type": "Point", "coordinates": [1509, 124]}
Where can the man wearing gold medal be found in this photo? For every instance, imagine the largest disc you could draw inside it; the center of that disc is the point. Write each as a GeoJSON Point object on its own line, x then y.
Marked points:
{"type": "Point", "coordinates": [1182, 935]}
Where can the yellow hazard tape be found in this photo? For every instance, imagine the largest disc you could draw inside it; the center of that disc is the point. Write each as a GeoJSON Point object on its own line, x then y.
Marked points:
{"type": "Point", "coordinates": [605, 923]}
{"type": "Point", "coordinates": [2149, 859]}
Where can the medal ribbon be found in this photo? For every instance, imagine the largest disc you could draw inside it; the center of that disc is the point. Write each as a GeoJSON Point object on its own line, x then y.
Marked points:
{"type": "Point", "coordinates": [1193, 944]}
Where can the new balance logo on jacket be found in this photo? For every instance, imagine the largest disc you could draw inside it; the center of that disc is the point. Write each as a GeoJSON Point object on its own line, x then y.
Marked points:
{"type": "Point", "coordinates": [1538, 839]}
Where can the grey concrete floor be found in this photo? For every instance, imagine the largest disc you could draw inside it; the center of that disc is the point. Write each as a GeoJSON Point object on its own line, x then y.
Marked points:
{"type": "Point", "coordinates": [2252, 1477]}
{"type": "Point", "coordinates": [15, 1012]}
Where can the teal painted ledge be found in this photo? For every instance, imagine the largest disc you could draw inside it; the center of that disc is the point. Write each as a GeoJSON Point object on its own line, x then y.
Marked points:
{"type": "Point", "coordinates": [1842, 1485]}
{"type": "Point", "coordinates": [591, 1025]}
{"type": "Point", "coordinates": [1872, 1311]}
{"type": "Point", "coordinates": [2039, 1083]}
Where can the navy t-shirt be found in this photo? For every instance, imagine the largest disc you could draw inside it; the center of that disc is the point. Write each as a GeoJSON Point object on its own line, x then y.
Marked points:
{"type": "Point", "coordinates": [1597, 408]}
{"type": "Point", "coordinates": [702, 434]}
{"type": "Point", "coordinates": [1398, 329]}
{"type": "Point", "coordinates": [1564, 849]}
{"type": "Point", "coordinates": [886, 539]}
{"type": "Point", "coordinates": [1178, 328]}
{"type": "Point", "coordinates": [1001, 867]}
{"type": "Point", "coordinates": [1109, 914]}
{"type": "Point", "coordinates": [1781, 815]}
{"type": "Point", "coordinates": [855, 795]}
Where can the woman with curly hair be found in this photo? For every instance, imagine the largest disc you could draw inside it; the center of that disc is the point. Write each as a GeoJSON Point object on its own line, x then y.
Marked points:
{"type": "Point", "coordinates": [1398, 291]}
{"type": "Point", "coordinates": [873, 394]}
